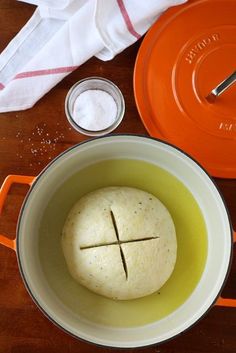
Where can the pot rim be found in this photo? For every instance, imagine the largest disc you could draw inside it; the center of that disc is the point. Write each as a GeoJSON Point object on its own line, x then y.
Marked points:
{"type": "Point", "coordinates": [18, 236]}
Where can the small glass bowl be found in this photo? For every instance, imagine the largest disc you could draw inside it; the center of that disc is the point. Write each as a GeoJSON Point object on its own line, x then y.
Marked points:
{"type": "Point", "coordinates": [100, 84]}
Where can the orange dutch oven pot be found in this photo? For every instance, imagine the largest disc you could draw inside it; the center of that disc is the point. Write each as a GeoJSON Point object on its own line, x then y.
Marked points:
{"type": "Point", "coordinates": [78, 311]}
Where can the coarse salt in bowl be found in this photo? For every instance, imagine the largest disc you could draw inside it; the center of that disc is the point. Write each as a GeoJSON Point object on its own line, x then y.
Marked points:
{"type": "Point", "coordinates": [94, 106]}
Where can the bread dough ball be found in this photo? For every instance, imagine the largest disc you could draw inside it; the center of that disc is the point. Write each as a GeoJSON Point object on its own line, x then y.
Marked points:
{"type": "Point", "coordinates": [120, 242]}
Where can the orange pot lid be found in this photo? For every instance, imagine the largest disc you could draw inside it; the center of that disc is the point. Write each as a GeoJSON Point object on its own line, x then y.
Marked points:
{"type": "Point", "coordinates": [188, 52]}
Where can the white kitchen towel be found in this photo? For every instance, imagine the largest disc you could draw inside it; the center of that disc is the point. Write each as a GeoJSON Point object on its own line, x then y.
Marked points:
{"type": "Point", "coordinates": [62, 35]}
{"type": "Point", "coordinates": [56, 4]}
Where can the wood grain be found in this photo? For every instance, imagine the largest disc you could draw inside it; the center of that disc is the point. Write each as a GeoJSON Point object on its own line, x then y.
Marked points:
{"type": "Point", "coordinates": [23, 328]}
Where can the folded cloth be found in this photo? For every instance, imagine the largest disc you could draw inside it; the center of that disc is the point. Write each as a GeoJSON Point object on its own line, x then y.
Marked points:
{"type": "Point", "coordinates": [61, 4]}
{"type": "Point", "coordinates": [62, 35]}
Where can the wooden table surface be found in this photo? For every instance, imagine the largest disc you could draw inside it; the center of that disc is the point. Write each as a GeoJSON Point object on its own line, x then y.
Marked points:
{"type": "Point", "coordinates": [23, 328]}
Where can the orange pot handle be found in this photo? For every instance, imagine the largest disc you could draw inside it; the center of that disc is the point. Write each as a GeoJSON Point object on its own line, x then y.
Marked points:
{"type": "Point", "coordinates": [224, 301]}
{"type": "Point", "coordinates": [11, 179]}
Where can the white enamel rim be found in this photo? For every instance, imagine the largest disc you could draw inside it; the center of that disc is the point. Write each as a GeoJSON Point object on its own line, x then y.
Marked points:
{"type": "Point", "coordinates": [208, 288]}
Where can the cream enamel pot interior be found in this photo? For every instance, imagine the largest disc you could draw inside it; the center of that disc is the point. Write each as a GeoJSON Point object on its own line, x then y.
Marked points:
{"type": "Point", "coordinates": [219, 237]}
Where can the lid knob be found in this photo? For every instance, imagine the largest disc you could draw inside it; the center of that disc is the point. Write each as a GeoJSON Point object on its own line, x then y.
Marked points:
{"type": "Point", "coordinates": [223, 86]}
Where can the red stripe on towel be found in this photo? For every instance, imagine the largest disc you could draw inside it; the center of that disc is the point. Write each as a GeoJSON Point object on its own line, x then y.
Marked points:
{"type": "Point", "coordinates": [127, 19]}
{"type": "Point", "coordinates": [58, 70]}
{"type": "Point", "coordinates": [1, 86]}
